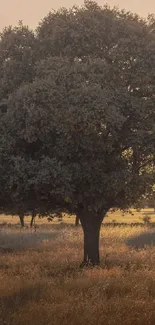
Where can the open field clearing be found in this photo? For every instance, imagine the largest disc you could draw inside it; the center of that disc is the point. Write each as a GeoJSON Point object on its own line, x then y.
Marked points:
{"type": "Point", "coordinates": [77, 136]}
{"type": "Point", "coordinates": [41, 283]}
{"type": "Point", "coordinates": [112, 217]}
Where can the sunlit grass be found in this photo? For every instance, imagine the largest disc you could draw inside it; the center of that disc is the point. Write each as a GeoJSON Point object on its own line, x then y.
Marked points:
{"type": "Point", "coordinates": [41, 282]}
{"type": "Point", "coordinates": [111, 217]}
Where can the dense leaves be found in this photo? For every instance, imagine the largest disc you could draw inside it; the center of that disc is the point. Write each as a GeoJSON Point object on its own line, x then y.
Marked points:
{"type": "Point", "coordinates": [78, 131]}
{"type": "Point", "coordinates": [17, 58]}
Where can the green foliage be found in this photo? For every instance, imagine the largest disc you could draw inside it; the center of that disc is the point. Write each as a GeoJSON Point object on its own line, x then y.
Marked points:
{"type": "Point", "coordinates": [17, 58]}
{"type": "Point", "coordinates": [78, 130]}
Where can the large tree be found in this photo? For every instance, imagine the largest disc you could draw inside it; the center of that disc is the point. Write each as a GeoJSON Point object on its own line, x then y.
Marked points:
{"type": "Point", "coordinates": [85, 126]}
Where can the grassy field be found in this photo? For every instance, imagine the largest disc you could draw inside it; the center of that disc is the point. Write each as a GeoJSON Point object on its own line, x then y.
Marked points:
{"type": "Point", "coordinates": [112, 217]}
{"type": "Point", "coordinates": [41, 284]}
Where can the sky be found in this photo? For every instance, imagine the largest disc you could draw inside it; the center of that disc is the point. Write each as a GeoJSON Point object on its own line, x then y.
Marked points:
{"type": "Point", "coordinates": [32, 11]}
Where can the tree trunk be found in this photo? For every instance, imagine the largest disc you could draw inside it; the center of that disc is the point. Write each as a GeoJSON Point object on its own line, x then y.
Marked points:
{"type": "Point", "coordinates": [77, 219]}
{"type": "Point", "coordinates": [21, 217]}
{"type": "Point", "coordinates": [91, 227]}
{"type": "Point", "coordinates": [32, 219]}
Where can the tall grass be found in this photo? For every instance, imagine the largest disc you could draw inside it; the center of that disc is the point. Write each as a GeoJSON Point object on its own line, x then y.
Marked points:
{"type": "Point", "coordinates": [41, 284]}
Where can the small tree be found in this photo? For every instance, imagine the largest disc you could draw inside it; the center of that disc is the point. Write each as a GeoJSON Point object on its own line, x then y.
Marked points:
{"type": "Point", "coordinates": [17, 61]}
{"type": "Point", "coordinates": [146, 219]}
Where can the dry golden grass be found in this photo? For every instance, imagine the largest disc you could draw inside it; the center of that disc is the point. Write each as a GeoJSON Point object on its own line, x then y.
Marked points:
{"type": "Point", "coordinates": [41, 284]}
{"type": "Point", "coordinates": [117, 216]}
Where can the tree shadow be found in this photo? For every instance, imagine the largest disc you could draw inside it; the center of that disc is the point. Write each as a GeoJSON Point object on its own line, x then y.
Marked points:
{"type": "Point", "coordinates": [146, 239]}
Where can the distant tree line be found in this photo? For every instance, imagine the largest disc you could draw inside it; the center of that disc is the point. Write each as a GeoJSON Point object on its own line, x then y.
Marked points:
{"type": "Point", "coordinates": [77, 116]}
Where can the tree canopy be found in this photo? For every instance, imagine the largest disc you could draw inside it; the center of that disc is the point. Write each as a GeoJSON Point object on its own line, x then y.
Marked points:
{"type": "Point", "coordinates": [78, 128]}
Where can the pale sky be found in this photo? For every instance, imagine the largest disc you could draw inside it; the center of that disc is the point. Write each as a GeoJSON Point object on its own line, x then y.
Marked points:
{"type": "Point", "coordinates": [31, 11]}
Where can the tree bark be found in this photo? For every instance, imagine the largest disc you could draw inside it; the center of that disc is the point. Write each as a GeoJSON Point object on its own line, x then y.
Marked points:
{"type": "Point", "coordinates": [91, 227]}
{"type": "Point", "coordinates": [77, 219]}
{"type": "Point", "coordinates": [32, 219]}
{"type": "Point", "coordinates": [21, 217]}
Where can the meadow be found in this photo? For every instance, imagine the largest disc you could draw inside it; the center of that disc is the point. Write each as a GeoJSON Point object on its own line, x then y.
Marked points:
{"type": "Point", "coordinates": [113, 217]}
{"type": "Point", "coordinates": [42, 284]}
